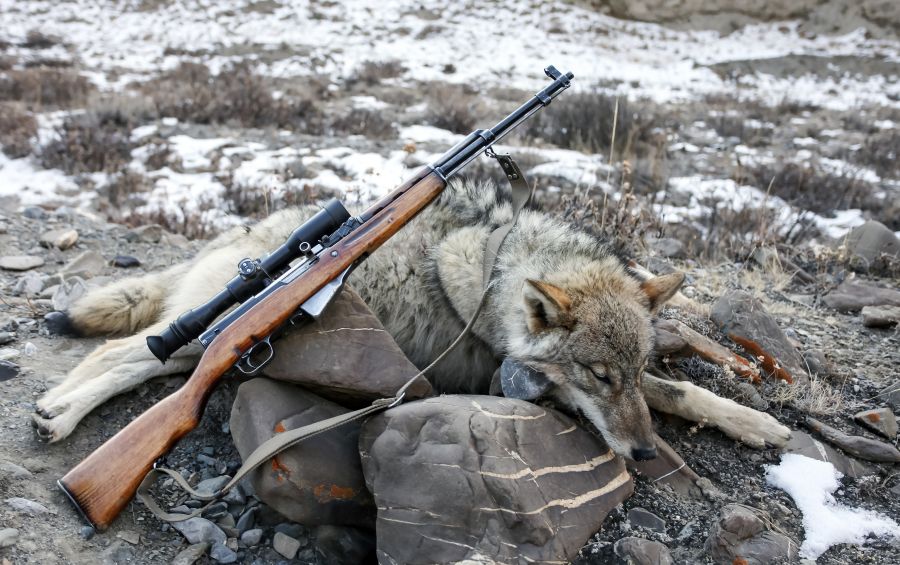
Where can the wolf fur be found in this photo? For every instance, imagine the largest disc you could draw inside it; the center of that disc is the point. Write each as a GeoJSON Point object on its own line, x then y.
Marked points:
{"type": "Point", "coordinates": [560, 300]}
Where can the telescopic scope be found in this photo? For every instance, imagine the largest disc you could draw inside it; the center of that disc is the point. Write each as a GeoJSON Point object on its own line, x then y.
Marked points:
{"type": "Point", "coordinates": [253, 276]}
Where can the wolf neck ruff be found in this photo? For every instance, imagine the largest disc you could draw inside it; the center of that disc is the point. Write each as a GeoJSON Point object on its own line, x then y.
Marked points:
{"type": "Point", "coordinates": [81, 486]}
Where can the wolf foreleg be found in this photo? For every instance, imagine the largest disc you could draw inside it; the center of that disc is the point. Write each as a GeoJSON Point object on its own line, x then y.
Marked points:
{"type": "Point", "coordinates": [691, 402]}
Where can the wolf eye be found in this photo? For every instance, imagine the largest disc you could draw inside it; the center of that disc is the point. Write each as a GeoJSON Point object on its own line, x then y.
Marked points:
{"type": "Point", "coordinates": [599, 376]}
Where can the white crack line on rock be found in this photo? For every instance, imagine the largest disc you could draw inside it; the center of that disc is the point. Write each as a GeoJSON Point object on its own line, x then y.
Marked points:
{"type": "Point", "coordinates": [566, 431]}
{"type": "Point", "coordinates": [570, 503]}
{"type": "Point", "coordinates": [575, 468]}
{"type": "Point", "coordinates": [506, 416]}
{"type": "Point", "coordinates": [348, 330]}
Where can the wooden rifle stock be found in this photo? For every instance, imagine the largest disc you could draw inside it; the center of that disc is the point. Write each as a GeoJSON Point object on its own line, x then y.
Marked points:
{"type": "Point", "coordinates": [103, 484]}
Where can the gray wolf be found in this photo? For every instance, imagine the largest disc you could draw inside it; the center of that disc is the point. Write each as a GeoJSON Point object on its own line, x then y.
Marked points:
{"type": "Point", "coordinates": [561, 301]}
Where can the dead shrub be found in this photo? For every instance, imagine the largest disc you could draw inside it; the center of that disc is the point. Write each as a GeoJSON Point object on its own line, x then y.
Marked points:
{"type": "Point", "coordinates": [370, 123]}
{"type": "Point", "coordinates": [371, 73]}
{"type": "Point", "coordinates": [236, 95]}
{"type": "Point", "coordinates": [259, 202]}
{"type": "Point", "coordinates": [453, 107]}
{"type": "Point", "coordinates": [585, 123]}
{"type": "Point", "coordinates": [809, 187]}
{"type": "Point", "coordinates": [881, 152]}
{"type": "Point", "coordinates": [89, 143]}
{"type": "Point", "coordinates": [17, 127]}
{"type": "Point", "coordinates": [42, 86]}
{"type": "Point", "coordinates": [35, 39]}
{"type": "Point", "coordinates": [122, 190]}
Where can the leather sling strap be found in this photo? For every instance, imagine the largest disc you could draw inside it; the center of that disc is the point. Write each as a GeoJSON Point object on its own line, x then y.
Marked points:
{"type": "Point", "coordinates": [521, 195]}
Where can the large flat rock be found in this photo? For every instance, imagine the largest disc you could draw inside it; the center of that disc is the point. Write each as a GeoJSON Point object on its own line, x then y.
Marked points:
{"type": "Point", "coordinates": [486, 479]}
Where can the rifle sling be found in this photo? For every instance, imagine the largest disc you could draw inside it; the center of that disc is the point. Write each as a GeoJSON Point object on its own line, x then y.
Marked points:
{"type": "Point", "coordinates": [521, 195]}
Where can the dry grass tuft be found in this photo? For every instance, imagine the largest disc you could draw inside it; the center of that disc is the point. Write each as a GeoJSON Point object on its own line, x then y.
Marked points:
{"type": "Point", "coordinates": [372, 73]}
{"type": "Point", "coordinates": [41, 86]}
{"type": "Point", "coordinates": [372, 124]}
{"type": "Point", "coordinates": [236, 95]}
{"type": "Point", "coordinates": [453, 107]}
{"type": "Point", "coordinates": [17, 128]}
{"type": "Point", "coordinates": [817, 397]}
{"type": "Point", "coordinates": [89, 143]}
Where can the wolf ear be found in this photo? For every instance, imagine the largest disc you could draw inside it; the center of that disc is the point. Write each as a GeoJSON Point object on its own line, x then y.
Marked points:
{"type": "Point", "coordinates": [660, 289]}
{"type": "Point", "coordinates": [547, 306]}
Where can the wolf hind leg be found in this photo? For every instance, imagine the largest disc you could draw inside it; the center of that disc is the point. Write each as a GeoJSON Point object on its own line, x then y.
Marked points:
{"type": "Point", "coordinates": [691, 402]}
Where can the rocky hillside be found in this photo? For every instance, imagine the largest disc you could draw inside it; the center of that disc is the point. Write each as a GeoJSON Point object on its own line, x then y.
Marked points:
{"type": "Point", "coordinates": [753, 148]}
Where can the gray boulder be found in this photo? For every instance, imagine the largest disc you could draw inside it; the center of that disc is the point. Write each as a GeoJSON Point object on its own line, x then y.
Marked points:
{"type": "Point", "coordinates": [740, 536]}
{"type": "Point", "coordinates": [318, 481]}
{"type": "Point", "coordinates": [200, 530]}
{"type": "Point", "coordinates": [345, 356]}
{"type": "Point", "coordinates": [639, 551]}
{"type": "Point", "coordinates": [745, 321]}
{"type": "Point", "coordinates": [486, 478]}
{"type": "Point", "coordinates": [880, 316]}
{"type": "Point", "coordinates": [880, 420]}
{"type": "Point", "coordinates": [866, 244]}
{"type": "Point", "coordinates": [853, 297]}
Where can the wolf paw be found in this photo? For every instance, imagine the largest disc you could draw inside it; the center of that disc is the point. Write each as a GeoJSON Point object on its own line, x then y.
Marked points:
{"type": "Point", "coordinates": [52, 430]}
{"type": "Point", "coordinates": [753, 428]}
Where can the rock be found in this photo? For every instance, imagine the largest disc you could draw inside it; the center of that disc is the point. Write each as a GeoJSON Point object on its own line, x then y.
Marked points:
{"type": "Point", "coordinates": [62, 239]}
{"type": "Point", "coordinates": [87, 532]}
{"type": "Point", "coordinates": [705, 348]}
{"type": "Point", "coordinates": [857, 446]}
{"type": "Point", "coordinates": [20, 262]}
{"type": "Point", "coordinates": [88, 264]}
{"type": "Point", "coordinates": [247, 520]}
{"type": "Point", "coordinates": [745, 321]}
{"type": "Point", "coordinates": [541, 505]}
{"type": "Point", "coordinates": [15, 471]}
{"type": "Point", "coordinates": [131, 537]}
{"type": "Point", "coordinates": [221, 553]}
{"type": "Point", "coordinates": [853, 297]}
{"type": "Point", "coordinates": [8, 537]}
{"type": "Point", "coordinates": [296, 531]}
{"type": "Point", "coordinates": [880, 420]}
{"type": "Point", "coordinates": [27, 506]}
{"type": "Point", "coordinates": [880, 316]}
{"type": "Point", "coordinates": [310, 356]}
{"type": "Point", "coordinates": [216, 511]}
{"type": "Point", "coordinates": [344, 546]}
{"type": "Point", "coordinates": [817, 364]}
{"type": "Point", "coordinates": [891, 395]}
{"type": "Point", "coordinates": [668, 247]}
{"type": "Point", "coordinates": [125, 262]}
{"type": "Point", "coordinates": [152, 233]}
{"type": "Point", "coordinates": [117, 552]}
{"type": "Point", "coordinates": [210, 486]}
{"type": "Point", "coordinates": [198, 530]}
{"type": "Point", "coordinates": [645, 519]}
{"type": "Point", "coordinates": [639, 551]}
{"type": "Point", "coordinates": [59, 323]}
{"type": "Point", "coordinates": [318, 481]}
{"type": "Point", "coordinates": [667, 342]}
{"type": "Point", "coordinates": [34, 213]}
{"type": "Point", "coordinates": [668, 468]}
{"type": "Point", "coordinates": [251, 538]}
{"type": "Point", "coordinates": [285, 545]}
{"type": "Point", "coordinates": [740, 536]}
{"type": "Point", "coordinates": [8, 370]}
{"type": "Point", "coordinates": [8, 353]}
{"type": "Point", "coordinates": [866, 244]}
{"type": "Point", "coordinates": [7, 337]}
{"type": "Point", "coordinates": [191, 554]}
{"type": "Point", "coordinates": [68, 292]}
{"type": "Point", "coordinates": [30, 284]}
{"type": "Point", "coordinates": [804, 444]}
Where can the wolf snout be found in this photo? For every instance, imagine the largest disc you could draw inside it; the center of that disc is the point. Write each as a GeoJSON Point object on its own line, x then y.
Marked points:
{"type": "Point", "coordinates": [643, 453]}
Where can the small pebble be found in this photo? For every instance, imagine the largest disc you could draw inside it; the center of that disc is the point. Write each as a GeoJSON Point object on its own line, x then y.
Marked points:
{"type": "Point", "coordinates": [126, 262]}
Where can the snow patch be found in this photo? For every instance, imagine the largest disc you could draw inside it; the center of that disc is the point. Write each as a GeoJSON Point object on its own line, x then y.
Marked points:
{"type": "Point", "coordinates": [826, 523]}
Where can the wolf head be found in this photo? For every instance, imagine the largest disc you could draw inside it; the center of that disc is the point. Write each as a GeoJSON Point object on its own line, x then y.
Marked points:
{"type": "Point", "coordinates": [589, 330]}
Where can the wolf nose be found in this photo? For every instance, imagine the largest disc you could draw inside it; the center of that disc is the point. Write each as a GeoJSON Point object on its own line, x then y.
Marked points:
{"type": "Point", "coordinates": [643, 453]}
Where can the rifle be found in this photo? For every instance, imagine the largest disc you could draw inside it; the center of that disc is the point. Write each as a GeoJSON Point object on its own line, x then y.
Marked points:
{"type": "Point", "coordinates": [103, 483]}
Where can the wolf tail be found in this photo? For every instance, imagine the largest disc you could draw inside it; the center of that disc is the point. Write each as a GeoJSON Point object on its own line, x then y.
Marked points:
{"type": "Point", "coordinates": [124, 307]}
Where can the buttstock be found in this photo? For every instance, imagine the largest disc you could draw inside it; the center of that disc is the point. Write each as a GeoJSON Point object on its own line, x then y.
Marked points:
{"type": "Point", "coordinates": [103, 483]}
